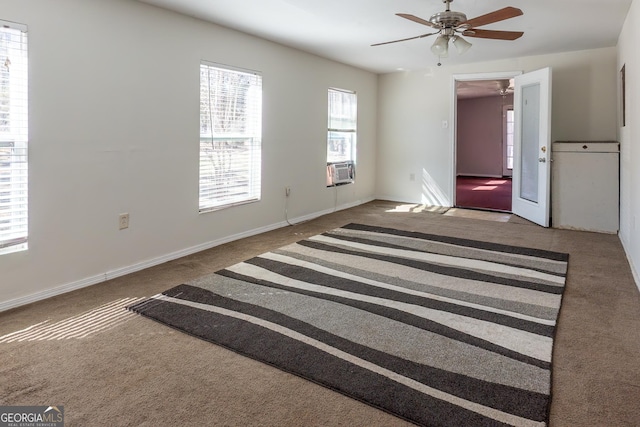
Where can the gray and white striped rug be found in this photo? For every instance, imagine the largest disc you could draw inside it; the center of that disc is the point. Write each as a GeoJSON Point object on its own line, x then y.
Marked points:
{"type": "Point", "coordinates": [437, 330]}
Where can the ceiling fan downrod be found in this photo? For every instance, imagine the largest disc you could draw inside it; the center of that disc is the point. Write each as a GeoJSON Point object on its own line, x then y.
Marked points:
{"type": "Point", "coordinates": [448, 3]}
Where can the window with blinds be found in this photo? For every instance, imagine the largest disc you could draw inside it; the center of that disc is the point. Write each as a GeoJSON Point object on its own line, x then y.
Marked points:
{"type": "Point", "coordinates": [14, 128]}
{"type": "Point", "coordinates": [343, 120]}
{"type": "Point", "coordinates": [230, 136]}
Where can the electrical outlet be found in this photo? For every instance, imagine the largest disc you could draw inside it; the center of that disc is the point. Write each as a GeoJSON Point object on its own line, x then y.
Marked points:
{"type": "Point", "coordinates": [287, 191]}
{"type": "Point", "coordinates": [123, 220]}
{"type": "Point", "coordinates": [412, 177]}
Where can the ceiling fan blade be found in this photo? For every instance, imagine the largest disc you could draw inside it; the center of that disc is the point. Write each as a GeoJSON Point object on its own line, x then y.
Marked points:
{"type": "Point", "coordinates": [418, 20]}
{"type": "Point", "coordinates": [404, 40]}
{"type": "Point", "coordinates": [495, 16]}
{"type": "Point", "coordinates": [493, 34]}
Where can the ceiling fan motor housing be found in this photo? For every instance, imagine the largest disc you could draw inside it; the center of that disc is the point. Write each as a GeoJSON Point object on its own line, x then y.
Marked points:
{"type": "Point", "coordinates": [448, 19]}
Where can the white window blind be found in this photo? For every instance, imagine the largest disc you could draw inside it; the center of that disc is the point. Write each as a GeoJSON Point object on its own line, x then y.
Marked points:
{"type": "Point", "coordinates": [13, 137]}
{"type": "Point", "coordinates": [230, 136]}
{"type": "Point", "coordinates": [343, 120]}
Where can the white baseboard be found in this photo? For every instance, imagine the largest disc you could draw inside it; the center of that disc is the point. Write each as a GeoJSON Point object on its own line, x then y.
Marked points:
{"type": "Point", "coordinates": [634, 270]}
{"type": "Point", "coordinates": [112, 274]}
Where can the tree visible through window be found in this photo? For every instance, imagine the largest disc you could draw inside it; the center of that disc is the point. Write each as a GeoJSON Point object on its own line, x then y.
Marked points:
{"type": "Point", "coordinates": [230, 136]}
{"type": "Point", "coordinates": [13, 137]}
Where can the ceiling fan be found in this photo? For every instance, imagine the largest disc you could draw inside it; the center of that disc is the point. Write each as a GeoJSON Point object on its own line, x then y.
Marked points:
{"type": "Point", "coordinates": [450, 24]}
{"type": "Point", "coordinates": [505, 87]}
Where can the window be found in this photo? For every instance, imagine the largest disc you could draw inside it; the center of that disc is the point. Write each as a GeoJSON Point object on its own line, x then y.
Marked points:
{"type": "Point", "coordinates": [13, 137]}
{"type": "Point", "coordinates": [510, 120]}
{"type": "Point", "coordinates": [508, 128]}
{"type": "Point", "coordinates": [230, 136]}
{"type": "Point", "coordinates": [342, 131]}
{"type": "Point", "coordinates": [343, 119]}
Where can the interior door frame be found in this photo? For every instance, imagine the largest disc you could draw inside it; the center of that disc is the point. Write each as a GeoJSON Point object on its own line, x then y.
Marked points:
{"type": "Point", "coordinates": [453, 129]}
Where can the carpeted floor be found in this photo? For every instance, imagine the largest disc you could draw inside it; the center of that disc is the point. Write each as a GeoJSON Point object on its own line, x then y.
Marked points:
{"type": "Point", "coordinates": [108, 369]}
{"type": "Point", "coordinates": [433, 329]}
{"type": "Point", "coordinates": [483, 193]}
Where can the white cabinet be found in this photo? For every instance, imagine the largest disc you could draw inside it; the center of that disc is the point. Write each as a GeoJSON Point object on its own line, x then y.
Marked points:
{"type": "Point", "coordinates": [585, 184]}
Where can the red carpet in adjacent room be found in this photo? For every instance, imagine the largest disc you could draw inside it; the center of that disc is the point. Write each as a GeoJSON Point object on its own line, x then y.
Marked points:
{"type": "Point", "coordinates": [483, 193]}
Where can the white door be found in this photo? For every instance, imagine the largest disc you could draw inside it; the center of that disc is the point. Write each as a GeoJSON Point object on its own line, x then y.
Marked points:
{"type": "Point", "coordinates": [532, 146]}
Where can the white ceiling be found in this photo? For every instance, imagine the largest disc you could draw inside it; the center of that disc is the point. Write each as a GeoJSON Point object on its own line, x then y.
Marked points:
{"type": "Point", "coordinates": [343, 30]}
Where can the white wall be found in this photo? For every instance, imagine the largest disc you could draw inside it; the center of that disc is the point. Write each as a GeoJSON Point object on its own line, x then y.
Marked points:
{"type": "Point", "coordinates": [629, 136]}
{"type": "Point", "coordinates": [114, 127]}
{"type": "Point", "coordinates": [413, 105]}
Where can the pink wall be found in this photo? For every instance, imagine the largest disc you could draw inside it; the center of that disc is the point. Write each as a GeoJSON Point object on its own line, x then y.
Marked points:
{"type": "Point", "coordinates": [479, 135]}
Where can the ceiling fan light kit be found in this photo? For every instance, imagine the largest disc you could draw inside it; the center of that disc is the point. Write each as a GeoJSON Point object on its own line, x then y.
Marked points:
{"type": "Point", "coordinates": [461, 44]}
{"type": "Point", "coordinates": [449, 23]}
{"type": "Point", "coordinates": [440, 47]}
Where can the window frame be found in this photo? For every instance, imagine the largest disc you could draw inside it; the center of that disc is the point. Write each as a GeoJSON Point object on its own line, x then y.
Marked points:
{"type": "Point", "coordinates": [227, 146]}
{"type": "Point", "coordinates": [342, 120]}
{"type": "Point", "coordinates": [14, 139]}
{"type": "Point", "coordinates": [508, 117]}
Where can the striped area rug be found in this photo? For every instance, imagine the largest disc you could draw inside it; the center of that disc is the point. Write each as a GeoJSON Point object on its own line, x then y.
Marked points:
{"type": "Point", "coordinates": [439, 331]}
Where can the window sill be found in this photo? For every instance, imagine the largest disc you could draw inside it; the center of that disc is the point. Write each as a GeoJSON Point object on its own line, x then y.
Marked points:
{"type": "Point", "coordinates": [14, 248]}
{"type": "Point", "coordinates": [228, 205]}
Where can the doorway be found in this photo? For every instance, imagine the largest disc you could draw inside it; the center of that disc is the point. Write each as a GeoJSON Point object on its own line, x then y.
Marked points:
{"type": "Point", "coordinates": [483, 141]}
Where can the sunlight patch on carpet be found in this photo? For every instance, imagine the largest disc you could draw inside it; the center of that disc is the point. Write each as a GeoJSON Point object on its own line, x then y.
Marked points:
{"type": "Point", "coordinates": [83, 325]}
{"type": "Point", "coordinates": [419, 208]}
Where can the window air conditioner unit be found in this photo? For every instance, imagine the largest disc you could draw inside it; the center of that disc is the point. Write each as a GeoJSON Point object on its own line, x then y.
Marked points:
{"type": "Point", "coordinates": [340, 173]}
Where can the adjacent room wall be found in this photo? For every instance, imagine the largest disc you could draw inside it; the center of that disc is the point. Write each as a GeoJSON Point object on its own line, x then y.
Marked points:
{"type": "Point", "coordinates": [114, 127]}
{"type": "Point", "coordinates": [414, 143]}
{"type": "Point", "coordinates": [480, 129]}
{"type": "Point", "coordinates": [629, 137]}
